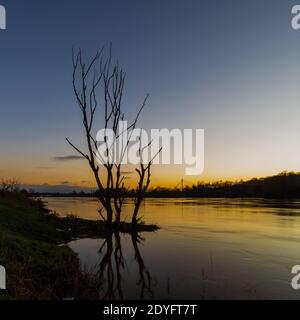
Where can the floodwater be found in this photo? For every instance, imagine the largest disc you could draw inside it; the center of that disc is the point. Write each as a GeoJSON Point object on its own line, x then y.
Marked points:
{"type": "Point", "coordinates": [205, 249]}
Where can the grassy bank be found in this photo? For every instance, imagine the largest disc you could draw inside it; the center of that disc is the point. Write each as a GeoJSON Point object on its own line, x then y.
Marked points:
{"type": "Point", "coordinates": [37, 268]}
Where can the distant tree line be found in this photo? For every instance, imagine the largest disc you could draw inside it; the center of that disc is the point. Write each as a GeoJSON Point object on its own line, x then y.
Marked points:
{"type": "Point", "coordinates": [283, 185]}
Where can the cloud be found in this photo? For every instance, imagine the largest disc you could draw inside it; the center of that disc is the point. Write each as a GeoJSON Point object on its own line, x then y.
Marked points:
{"type": "Point", "coordinates": [68, 158]}
{"type": "Point", "coordinates": [65, 182]}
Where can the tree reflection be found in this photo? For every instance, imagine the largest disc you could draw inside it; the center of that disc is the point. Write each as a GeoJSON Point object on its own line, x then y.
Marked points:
{"type": "Point", "coordinates": [112, 266]}
{"type": "Point", "coordinates": [106, 270]}
{"type": "Point", "coordinates": [145, 280]}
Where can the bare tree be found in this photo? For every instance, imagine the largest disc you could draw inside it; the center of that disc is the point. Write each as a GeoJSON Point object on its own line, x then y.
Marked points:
{"type": "Point", "coordinates": [9, 184]}
{"type": "Point", "coordinates": [103, 78]}
{"type": "Point", "coordinates": [144, 173]}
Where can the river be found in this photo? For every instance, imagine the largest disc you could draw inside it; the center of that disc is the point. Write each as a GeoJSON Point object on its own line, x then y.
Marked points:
{"type": "Point", "coordinates": [205, 249]}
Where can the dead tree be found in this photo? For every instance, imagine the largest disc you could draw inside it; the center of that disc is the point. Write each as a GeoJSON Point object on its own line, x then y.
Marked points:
{"type": "Point", "coordinates": [144, 173]}
{"type": "Point", "coordinates": [9, 184]}
{"type": "Point", "coordinates": [105, 79]}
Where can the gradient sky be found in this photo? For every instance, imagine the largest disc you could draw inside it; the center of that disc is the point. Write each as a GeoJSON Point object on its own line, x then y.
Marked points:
{"type": "Point", "coordinates": [231, 67]}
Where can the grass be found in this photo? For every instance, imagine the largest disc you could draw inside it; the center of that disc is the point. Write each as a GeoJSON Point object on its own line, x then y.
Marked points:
{"type": "Point", "coordinates": [27, 218]}
{"type": "Point", "coordinates": [36, 267]}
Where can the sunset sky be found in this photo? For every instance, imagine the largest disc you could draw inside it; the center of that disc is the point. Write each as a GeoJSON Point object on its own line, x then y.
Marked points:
{"type": "Point", "coordinates": [230, 67]}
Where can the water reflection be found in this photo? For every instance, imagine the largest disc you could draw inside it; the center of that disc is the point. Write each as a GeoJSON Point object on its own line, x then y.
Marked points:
{"type": "Point", "coordinates": [112, 266]}
{"type": "Point", "coordinates": [145, 280]}
{"type": "Point", "coordinates": [210, 248]}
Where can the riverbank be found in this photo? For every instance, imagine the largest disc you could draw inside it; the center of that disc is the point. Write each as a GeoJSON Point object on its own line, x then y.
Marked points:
{"type": "Point", "coordinates": [36, 267]}
{"type": "Point", "coordinates": [38, 264]}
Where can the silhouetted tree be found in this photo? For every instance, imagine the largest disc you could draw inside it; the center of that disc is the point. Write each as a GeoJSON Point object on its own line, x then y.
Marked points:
{"type": "Point", "coordinates": [102, 77]}
{"type": "Point", "coordinates": [9, 184]}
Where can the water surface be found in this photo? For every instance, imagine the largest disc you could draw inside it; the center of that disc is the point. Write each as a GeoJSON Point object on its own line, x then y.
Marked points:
{"type": "Point", "coordinates": [205, 249]}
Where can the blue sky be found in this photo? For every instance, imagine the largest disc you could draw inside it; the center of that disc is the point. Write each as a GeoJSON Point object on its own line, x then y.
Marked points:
{"type": "Point", "coordinates": [230, 67]}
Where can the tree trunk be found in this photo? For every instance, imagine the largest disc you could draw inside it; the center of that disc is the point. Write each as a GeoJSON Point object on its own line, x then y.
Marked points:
{"type": "Point", "coordinates": [136, 211]}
